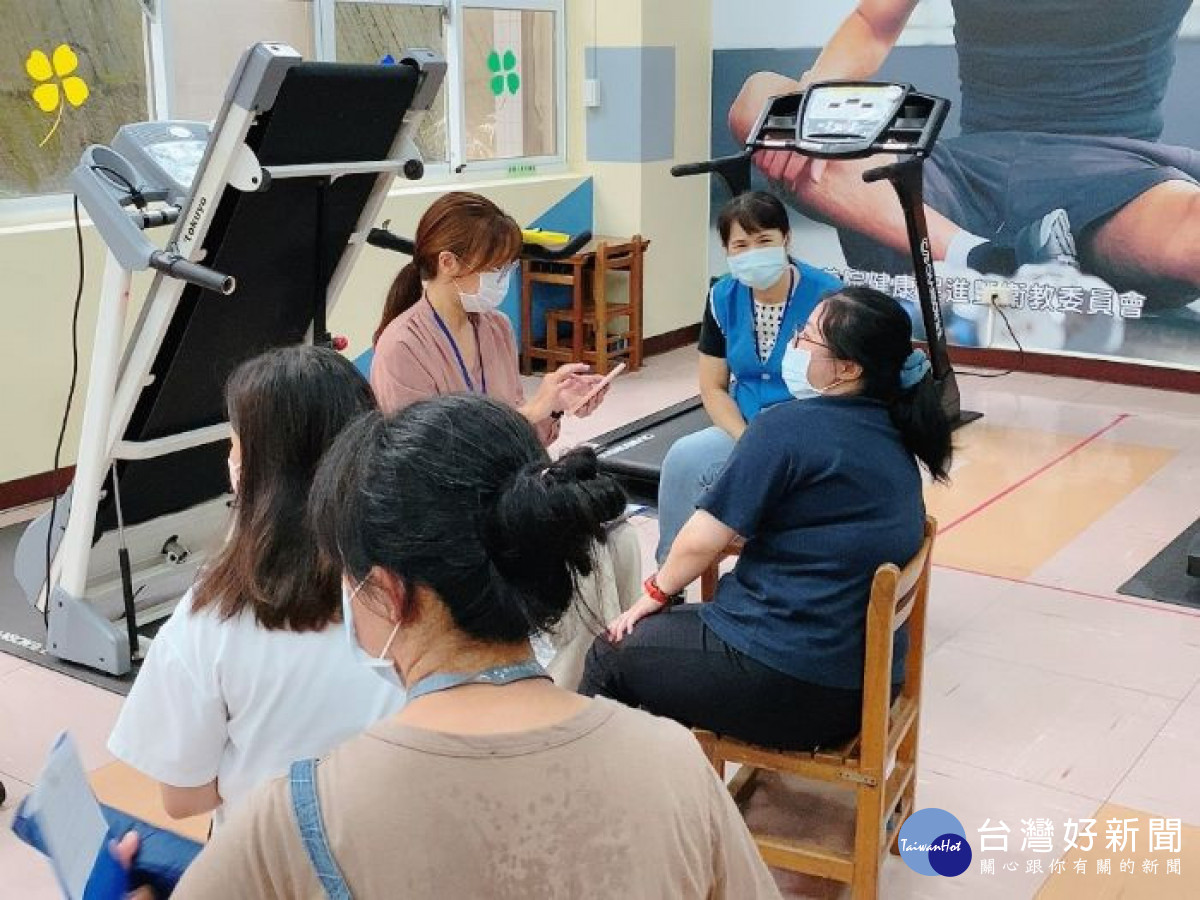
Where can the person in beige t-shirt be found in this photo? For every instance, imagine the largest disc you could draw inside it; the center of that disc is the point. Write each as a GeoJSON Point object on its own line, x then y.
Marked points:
{"type": "Point", "coordinates": [459, 538]}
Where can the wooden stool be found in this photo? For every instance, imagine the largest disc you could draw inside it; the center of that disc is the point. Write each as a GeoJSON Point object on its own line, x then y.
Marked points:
{"type": "Point", "coordinates": [880, 765]}
{"type": "Point", "coordinates": [590, 313]}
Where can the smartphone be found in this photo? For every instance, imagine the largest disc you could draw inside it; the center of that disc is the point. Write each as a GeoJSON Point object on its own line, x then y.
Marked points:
{"type": "Point", "coordinates": [601, 385]}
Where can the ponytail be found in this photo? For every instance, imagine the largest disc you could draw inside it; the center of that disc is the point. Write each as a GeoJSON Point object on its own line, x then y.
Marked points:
{"type": "Point", "coordinates": [918, 415]}
{"type": "Point", "coordinates": [468, 225]}
{"type": "Point", "coordinates": [402, 296]}
{"type": "Point", "coordinates": [870, 328]}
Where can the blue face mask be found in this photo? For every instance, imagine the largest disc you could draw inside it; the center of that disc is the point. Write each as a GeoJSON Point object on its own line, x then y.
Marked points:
{"type": "Point", "coordinates": [381, 665]}
{"type": "Point", "coordinates": [493, 288]}
{"type": "Point", "coordinates": [796, 361]}
{"type": "Point", "coordinates": [795, 372]}
{"type": "Point", "coordinates": [759, 268]}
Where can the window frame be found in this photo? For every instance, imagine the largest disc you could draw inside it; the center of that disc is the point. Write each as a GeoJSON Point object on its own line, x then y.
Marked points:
{"type": "Point", "coordinates": [157, 55]}
{"type": "Point", "coordinates": [456, 165]}
{"type": "Point", "coordinates": [54, 206]}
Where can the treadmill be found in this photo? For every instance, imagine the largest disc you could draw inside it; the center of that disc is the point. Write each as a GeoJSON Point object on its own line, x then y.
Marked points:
{"type": "Point", "coordinates": [829, 120]}
{"type": "Point", "coordinates": [269, 208]}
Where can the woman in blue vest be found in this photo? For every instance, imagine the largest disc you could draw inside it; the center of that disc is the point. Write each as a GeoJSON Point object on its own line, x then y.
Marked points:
{"type": "Point", "coordinates": [766, 295]}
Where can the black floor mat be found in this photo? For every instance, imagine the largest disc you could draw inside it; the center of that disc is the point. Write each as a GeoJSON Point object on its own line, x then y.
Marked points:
{"type": "Point", "coordinates": [1165, 578]}
{"type": "Point", "coordinates": [22, 632]}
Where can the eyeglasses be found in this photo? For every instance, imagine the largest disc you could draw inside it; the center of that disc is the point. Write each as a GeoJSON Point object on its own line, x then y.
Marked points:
{"type": "Point", "coordinates": [807, 336]}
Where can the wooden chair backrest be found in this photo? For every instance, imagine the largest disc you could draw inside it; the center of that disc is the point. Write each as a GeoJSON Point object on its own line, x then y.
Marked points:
{"type": "Point", "coordinates": [898, 596]}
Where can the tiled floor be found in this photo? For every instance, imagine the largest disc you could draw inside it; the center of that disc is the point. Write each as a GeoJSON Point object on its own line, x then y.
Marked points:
{"type": "Point", "coordinates": [1048, 695]}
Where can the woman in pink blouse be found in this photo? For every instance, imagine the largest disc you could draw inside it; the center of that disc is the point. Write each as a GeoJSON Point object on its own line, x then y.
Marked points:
{"type": "Point", "coordinates": [442, 333]}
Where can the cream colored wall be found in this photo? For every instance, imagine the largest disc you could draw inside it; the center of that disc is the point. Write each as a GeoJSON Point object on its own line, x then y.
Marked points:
{"type": "Point", "coordinates": [37, 257]}
{"type": "Point", "coordinates": [675, 210]}
{"type": "Point", "coordinates": [643, 198]}
{"type": "Point", "coordinates": [37, 291]}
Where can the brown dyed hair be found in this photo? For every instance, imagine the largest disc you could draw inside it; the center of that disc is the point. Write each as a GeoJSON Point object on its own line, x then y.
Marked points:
{"type": "Point", "coordinates": [468, 225]}
{"type": "Point", "coordinates": [286, 407]}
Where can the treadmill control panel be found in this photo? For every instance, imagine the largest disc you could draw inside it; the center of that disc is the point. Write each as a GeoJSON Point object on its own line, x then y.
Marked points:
{"type": "Point", "coordinates": [845, 117]}
{"type": "Point", "coordinates": [854, 112]}
{"type": "Point", "coordinates": [166, 154]}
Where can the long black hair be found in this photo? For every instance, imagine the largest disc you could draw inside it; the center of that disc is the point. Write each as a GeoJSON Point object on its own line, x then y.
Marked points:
{"type": "Point", "coordinates": [286, 407]}
{"type": "Point", "coordinates": [457, 495]}
{"type": "Point", "coordinates": [870, 328]}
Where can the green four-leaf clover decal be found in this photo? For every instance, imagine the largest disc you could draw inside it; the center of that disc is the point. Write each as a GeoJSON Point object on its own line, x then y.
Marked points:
{"type": "Point", "coordinates": [504, 72]}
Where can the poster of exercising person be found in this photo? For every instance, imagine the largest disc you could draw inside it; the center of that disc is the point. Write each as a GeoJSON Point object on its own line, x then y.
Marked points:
{"type": "Point", "coordinates": [1065, 182]}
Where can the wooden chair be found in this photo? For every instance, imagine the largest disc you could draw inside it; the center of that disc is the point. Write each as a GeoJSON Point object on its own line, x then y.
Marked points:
{"type": "Point", "coordinates": [590, 313]}
{"type": "Point", "coordinates": [880, 765]}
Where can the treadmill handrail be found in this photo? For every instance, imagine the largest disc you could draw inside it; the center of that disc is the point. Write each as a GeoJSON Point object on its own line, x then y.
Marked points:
{"type": "Point", "coordinates": [172, 443]}
{"type": "Point", "coordinates": [389, 240]}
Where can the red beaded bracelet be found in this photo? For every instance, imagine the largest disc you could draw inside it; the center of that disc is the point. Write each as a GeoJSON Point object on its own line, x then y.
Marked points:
{"type": "Point", "coordinates": [654, 592]}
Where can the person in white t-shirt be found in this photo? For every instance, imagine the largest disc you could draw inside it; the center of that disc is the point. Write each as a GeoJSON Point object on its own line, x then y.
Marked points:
{"type": "Point", "coordinates": [254, 669]}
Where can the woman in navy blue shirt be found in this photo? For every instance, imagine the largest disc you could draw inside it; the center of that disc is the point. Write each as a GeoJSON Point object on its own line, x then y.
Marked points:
{"type": "Point", "coordinates": [823, 490]}
{"type": "Point", "coordinates": [766, 295]}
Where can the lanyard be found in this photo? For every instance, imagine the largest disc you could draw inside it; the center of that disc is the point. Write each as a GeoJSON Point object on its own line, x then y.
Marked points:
{"type": "Point", "coordinates": [458, 353]}
{"type": "Point", "coordinates": [782, 317]}
{"type": "Point", "coordinates": [497, 675]}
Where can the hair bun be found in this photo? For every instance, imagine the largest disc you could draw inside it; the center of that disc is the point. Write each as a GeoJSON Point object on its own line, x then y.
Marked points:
{"type": "Point", "coordinates": [579, 464]}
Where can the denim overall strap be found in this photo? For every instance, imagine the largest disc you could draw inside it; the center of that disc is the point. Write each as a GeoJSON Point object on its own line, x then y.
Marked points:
{"type": "Point", "coordinates": [312, 829]}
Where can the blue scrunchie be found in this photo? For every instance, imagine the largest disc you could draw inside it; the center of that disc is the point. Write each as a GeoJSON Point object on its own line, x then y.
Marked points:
{"type": "Point", "coordinates": [914, 369]}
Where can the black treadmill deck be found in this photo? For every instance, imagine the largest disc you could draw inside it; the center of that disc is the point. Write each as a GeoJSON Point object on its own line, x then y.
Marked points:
{"type": "Point", "coordinates": [634, 453]}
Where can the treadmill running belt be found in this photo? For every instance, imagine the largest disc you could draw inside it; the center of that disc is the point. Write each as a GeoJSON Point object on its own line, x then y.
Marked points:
{"type": "Point", "coordinates": [267, 241]}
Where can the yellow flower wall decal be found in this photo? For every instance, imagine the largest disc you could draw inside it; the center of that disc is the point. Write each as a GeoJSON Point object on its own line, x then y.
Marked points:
{"type": "Point", "coordinates": [56, 81]}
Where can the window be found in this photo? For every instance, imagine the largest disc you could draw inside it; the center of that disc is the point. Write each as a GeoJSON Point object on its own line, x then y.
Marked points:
{"type": "Point", "coordinates": [71, 73]}
{"type": "Point", "coordinates": [379, 32]}
{"type": "Point", "coordinates": [74, 71]}
{"type": "Point", "coordinates": [202, 41]}
{"type": "Point", "coordinates": [509, 74]}
{"type": "Point", "coordinates": [506, 78]}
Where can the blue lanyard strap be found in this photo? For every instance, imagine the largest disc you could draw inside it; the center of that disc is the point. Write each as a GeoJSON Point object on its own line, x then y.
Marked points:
{"type": "Point", "coordinates": [470, 383]}
{"type": "Point", "coordinates": [497, 675]}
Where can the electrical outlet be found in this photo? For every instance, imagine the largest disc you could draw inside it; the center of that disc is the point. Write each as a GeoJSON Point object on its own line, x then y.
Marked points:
{"type": "Point", "coordinates": [997, 295]}
{"type": "Point", "coordinates": [591, 92]}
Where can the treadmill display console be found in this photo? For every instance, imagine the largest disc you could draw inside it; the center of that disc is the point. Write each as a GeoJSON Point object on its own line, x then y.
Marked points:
{"type": "Point", "coordinates": [166, 154]}
{"type": "Point", "coordinates": [849, 113]}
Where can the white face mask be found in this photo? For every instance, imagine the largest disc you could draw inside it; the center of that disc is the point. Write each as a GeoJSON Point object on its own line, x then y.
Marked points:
{"type": "Point", "coordinates": [381, 665]}
{"type": "Point", "coordinates": [493, 288]}
{"type": "Point", "coordinates": [235, 474]}
{"type": "Point", "coordinates": [759, 268]}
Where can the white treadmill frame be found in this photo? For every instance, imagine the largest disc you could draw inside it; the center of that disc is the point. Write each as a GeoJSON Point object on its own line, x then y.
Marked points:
{"type": "Point", "coordinates": [84, 583]}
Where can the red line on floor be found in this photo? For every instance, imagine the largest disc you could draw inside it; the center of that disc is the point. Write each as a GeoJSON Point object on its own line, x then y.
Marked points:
{"type": "Point", "coordinates": [1070, 451]}
{"type": "Point", "coordinates": [1140, 603]}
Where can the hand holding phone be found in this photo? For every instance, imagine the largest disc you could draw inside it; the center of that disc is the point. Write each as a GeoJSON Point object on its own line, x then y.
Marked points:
{"type": "Point", "coordinates": [596, 389]}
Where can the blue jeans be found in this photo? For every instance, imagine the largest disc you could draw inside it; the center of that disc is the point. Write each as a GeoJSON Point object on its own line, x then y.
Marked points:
{"type": "Point", "coordinates": [690, 468]}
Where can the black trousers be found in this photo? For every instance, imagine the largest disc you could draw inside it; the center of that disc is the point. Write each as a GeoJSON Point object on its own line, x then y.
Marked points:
{"type": "Point", "coordinates": [673, 665]}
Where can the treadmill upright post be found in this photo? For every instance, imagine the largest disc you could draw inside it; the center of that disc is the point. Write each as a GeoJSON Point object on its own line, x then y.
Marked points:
{"type": "Point", "coordinates": [75, 631]}
{"type": "Point", "coordinates": [906, 177]}
{"type": "Point", "coordinates": [92, 459]}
